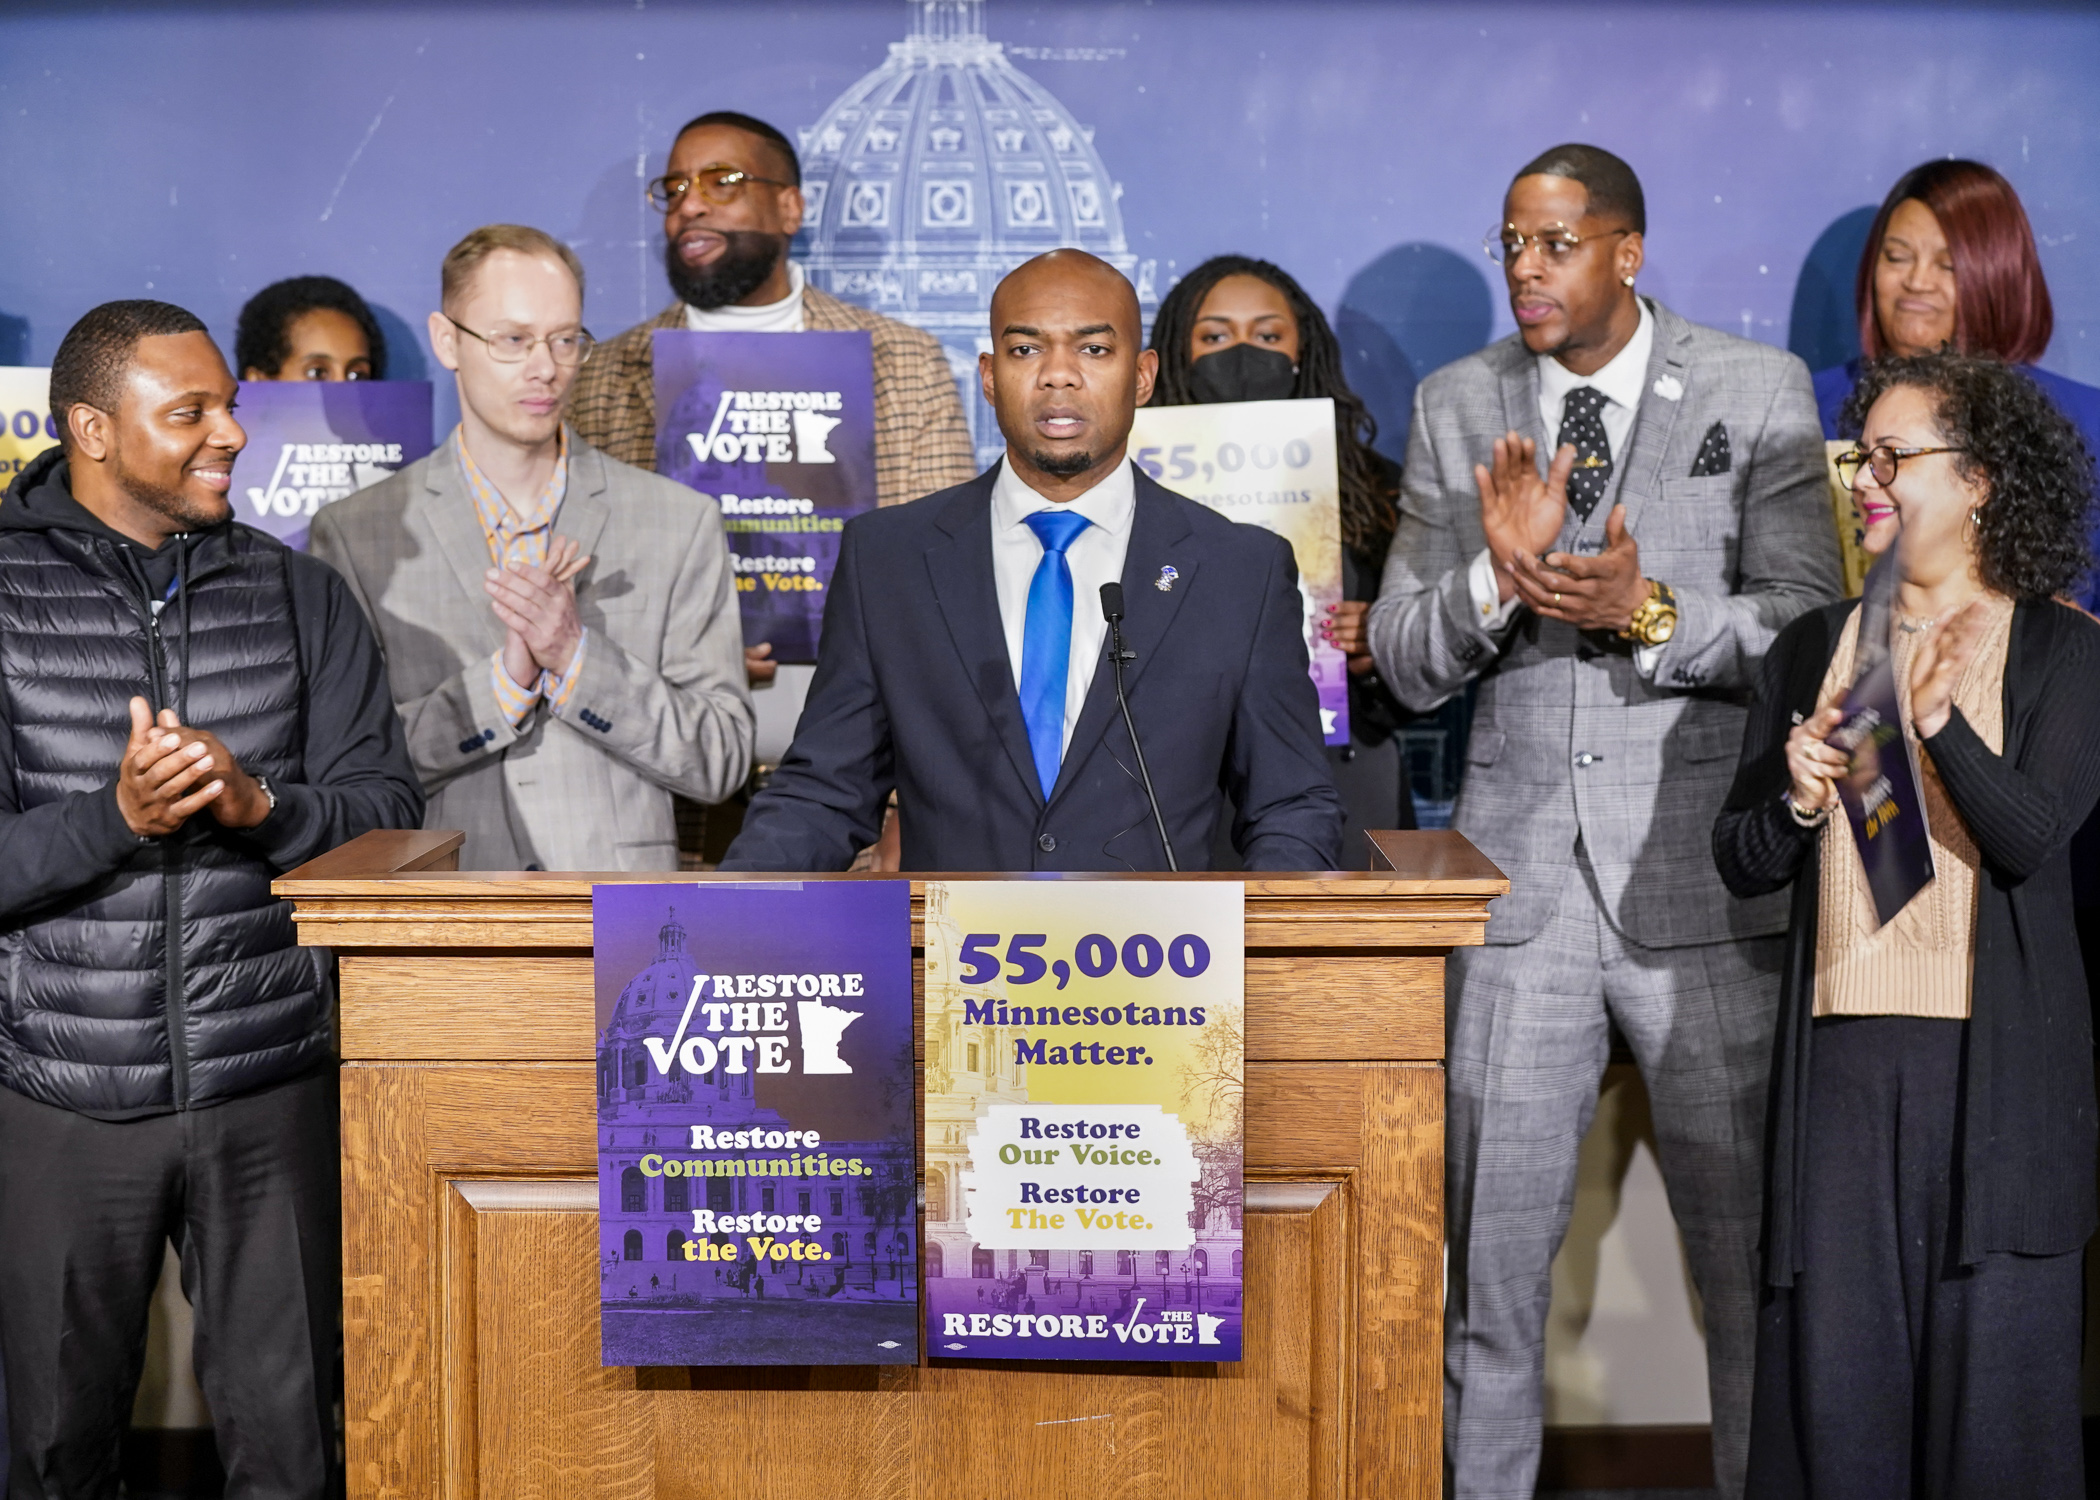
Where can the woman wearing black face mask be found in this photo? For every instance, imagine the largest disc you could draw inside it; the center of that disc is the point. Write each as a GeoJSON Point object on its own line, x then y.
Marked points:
{"type": "Point", "coordinates": [1239, 329]}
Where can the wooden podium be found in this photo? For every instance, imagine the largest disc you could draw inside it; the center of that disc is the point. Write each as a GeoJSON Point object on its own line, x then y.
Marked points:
{"type": "Point", "coordinates": [470, 1293]}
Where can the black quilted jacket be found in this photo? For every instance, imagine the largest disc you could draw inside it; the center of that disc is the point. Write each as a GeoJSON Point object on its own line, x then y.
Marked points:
{"type": "Point", "coordinates": [138, 975]}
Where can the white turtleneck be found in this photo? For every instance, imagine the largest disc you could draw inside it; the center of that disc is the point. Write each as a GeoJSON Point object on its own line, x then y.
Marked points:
{"type": "Point", "coordinates": [784, 316]}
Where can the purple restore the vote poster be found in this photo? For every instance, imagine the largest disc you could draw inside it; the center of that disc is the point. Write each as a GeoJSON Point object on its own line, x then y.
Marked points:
{"type": "Point", "coordinates": [1880, 789]}
{"type": "Point", "coordinates": [757, 1156]}
{"type": "Point", "coordinates": [311, 442]}
{"type": "Point", "coordinates": [780, 429]}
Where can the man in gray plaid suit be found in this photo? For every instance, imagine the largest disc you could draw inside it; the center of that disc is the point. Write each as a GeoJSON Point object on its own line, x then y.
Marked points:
{"type": "Point", "coordinates": [1613, 605]}
{"type": "Point", "coordinates": [560, 629]}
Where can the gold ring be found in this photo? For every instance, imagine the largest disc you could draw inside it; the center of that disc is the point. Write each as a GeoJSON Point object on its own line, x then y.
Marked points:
{"type": "Point", "coordinates": [1556, 601]}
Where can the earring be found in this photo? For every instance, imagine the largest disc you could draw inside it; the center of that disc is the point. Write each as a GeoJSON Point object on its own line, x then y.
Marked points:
{"type": "Point", "coordinates": [1626, 280]}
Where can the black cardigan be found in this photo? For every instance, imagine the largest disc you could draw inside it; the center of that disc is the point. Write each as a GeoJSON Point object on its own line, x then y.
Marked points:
{"type": "Point", "coordinates": [2027, 1115]}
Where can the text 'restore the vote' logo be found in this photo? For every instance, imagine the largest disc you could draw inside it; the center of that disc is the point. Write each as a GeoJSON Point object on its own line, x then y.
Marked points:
{"type": "Point", "coordinates": [773, 427]}
{"type": "Point", "coordinates": [743, 1028]}
{"type": "Point", "coordinates": [308, 476]}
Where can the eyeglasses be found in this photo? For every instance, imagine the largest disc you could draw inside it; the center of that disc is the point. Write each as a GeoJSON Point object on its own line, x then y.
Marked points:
{"type": "Point", "coordinates": [1556, 243]}
{"type": "Point", "coordinates": [717, 184]}
{"type": "Point", "coordinates": [1881, 462]}
{"type": "Point", "coordinates": [566, 349]}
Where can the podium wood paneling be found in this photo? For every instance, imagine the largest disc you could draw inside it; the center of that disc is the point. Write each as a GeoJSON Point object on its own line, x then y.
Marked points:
{"type": "Point", "coordinates": [470, 1228]}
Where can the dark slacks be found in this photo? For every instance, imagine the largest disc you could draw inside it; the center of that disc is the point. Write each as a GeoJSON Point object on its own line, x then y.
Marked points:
{"type": "Point", "coordinates": [248, 1192]}
{"type": "Point", "coordinates": [1890, 1370]}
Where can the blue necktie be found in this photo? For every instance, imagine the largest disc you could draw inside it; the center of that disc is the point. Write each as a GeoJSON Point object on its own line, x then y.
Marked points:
{"type": "Point", "coordinates": [1046, 641]}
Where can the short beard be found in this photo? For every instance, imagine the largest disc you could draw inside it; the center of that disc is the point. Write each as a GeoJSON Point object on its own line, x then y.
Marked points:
{"type": "Point", "coordinates": [172, 503]}
{"type": "Point", "coordinates": [1063, 465]}
{"type": "Point", "coordinates": [748, 258]}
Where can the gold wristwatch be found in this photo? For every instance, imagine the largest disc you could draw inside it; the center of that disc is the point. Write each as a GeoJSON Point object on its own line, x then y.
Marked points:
{"type": "Point", "coordinates": [1655, 621]}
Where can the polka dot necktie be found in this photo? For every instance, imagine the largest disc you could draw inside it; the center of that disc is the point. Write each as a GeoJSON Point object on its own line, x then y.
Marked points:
{"type": "Point", "coordinates": [1582, 424]}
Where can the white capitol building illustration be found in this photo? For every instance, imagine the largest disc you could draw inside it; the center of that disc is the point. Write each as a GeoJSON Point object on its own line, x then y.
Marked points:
{"type": "Point", "coordinates": [939, 172]}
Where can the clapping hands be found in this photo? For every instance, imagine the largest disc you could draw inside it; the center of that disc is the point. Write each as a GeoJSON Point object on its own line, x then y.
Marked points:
{"type": "Point", "coordinates": [1937, 667]}
{"type": "Point", "coordinates": [1522, 515]}
{"type": "Point", "coordinates": [1520, 512]}
{"type": "Point", "coordinates": [171, 772]}
{"type": "Point", "coordinates": [538, 609]}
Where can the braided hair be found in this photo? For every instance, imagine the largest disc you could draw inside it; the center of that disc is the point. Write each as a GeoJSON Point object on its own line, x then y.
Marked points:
{"type": "Point", "coordinates": [1370, 509]}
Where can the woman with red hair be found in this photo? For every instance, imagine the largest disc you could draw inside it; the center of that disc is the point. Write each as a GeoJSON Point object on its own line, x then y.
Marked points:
{"type": "Point", "coordinates": [1950, 264]}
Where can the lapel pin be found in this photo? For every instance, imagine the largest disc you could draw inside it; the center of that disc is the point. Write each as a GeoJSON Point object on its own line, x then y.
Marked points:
{"type": "Point", "coordinates": [1669, 387]}
{"type": "Point", "coordinates": [1165, 582]}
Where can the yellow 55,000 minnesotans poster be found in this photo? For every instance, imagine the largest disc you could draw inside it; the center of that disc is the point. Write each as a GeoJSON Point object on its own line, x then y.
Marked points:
{"type": "Point", "coordinates": [1083, 1129]}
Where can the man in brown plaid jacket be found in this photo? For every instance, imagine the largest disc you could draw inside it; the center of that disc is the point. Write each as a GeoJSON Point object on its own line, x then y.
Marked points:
{"type": "Point", "coordinates": [732, 200]}
{"type": "Point", "coordinates": [731, 197]}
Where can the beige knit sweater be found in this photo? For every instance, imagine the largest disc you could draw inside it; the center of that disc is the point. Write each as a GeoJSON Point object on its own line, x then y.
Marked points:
{"type": "Point", "coordinates": [1920, 963]}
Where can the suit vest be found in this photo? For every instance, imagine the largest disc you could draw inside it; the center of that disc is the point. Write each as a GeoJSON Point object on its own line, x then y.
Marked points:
{"type": "Point", "coordinates": [177, 980]}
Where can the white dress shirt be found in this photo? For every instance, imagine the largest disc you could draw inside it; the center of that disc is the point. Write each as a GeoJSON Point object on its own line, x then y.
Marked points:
{"type": "Point", "coordinates": [1095, 557]}
{"type": "Point", "coordinates": [784, 316]}
{"type": "Point", "coordinates": [1621, 380]}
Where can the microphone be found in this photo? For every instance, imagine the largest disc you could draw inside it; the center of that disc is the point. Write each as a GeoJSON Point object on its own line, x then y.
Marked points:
{"type": "Point", "coordinates": [1112, 611]}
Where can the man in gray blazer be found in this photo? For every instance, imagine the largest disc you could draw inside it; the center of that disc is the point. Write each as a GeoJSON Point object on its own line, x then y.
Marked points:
{"type": "Point", "coordinates": [560, 629]}
{"type": "Point", "coordinates": [1612, 604]}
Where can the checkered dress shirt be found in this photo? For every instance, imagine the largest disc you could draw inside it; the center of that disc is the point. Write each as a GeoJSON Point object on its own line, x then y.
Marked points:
{"type": "Point", "coordinates": [518, 538]}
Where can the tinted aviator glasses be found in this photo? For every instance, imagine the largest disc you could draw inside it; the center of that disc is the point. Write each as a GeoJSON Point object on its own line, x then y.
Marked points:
{"type": "Point", "coordinates": [571, 348]}
{"type": "Point", "coordinates": [715, 184]}
{"type": "Point", "coordinates": [1556, 243]}
{"type": "Point", "coordinates": [1880, 462]}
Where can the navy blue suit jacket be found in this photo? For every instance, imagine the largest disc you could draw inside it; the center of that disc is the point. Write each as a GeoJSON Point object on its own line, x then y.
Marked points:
{"type": "Point", "coordinates": [913, 690]}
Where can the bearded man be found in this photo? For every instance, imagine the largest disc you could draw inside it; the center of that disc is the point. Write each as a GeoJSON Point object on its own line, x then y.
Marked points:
{"type": "Point", "coordinates": [731, 197]}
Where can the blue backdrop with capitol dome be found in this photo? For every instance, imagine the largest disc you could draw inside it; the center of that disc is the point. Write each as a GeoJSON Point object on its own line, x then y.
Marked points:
{"type": "Point", "coordinates": [197, 151]}
{"type": "Point", "coordinates": [1364, 147]}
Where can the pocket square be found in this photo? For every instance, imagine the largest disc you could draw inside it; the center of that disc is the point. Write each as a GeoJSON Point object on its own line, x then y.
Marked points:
{"type": "Point", "coordinates": [1714, 457]}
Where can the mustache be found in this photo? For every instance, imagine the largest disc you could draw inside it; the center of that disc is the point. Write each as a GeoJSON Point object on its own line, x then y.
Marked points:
{"type": "Point", "coordinates": [747, 260]}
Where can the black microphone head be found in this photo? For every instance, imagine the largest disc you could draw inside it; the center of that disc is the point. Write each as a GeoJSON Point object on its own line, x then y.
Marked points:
{"type": "Point", "coordinates": [1112, 601]}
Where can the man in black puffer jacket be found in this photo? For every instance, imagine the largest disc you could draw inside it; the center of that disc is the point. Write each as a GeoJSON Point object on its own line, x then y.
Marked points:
{"type": "Point", "coordinates": [166, 1057]}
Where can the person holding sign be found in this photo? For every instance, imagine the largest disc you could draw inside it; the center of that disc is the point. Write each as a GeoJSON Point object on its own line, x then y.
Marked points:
{"type": "Point", "coordinates": [1604, 520]}
{"type": "Point", "coordinates": [1240, 329]}
{"type": "Point", "coordinates": [731, 197]}
{"type": "Point", "coordinates": [560, 628]}
{"type": "Point", "coordinates": [967, 663]}
{"type": "Point", "coordinates": [1931, 1182]}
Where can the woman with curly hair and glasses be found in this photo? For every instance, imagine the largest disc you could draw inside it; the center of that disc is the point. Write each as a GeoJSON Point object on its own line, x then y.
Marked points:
{"type": "Point", "coordinates": [1931, 1163]}
{"type": "Point", "coordinates": [1240, 329]}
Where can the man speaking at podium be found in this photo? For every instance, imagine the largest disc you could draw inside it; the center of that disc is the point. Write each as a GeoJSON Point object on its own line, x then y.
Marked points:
{"type": "Point", "coordinates": [966, 657]}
